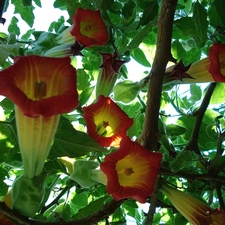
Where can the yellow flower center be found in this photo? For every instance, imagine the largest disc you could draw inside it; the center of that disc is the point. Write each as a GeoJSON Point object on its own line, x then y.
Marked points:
{"type": "Point", "coordinates": [132, 170]}
{"type": "Point", "coordinates": [106, 123]}
{"type": "Point", "coordinates": [39, 90]}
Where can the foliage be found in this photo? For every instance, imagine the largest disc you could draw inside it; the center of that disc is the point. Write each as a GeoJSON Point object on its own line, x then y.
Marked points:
{"type": "Point", "coordinates": [190, 121]}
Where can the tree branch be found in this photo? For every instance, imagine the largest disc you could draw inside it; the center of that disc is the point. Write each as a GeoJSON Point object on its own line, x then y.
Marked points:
{"type": "Point", "coordinates": [193, 143]}
{"type": "Point", "coordinates": [102, 214]}
{"type": "Point", "coordinates": [193, 177]}
{"type": "Point", "coordinates": [150, 135]}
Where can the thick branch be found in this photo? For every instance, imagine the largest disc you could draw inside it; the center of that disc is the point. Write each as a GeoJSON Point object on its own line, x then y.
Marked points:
{"type": "Point", "coordinates": [108, 209]}
{"type": "Point", "coordinates": [149, 137]}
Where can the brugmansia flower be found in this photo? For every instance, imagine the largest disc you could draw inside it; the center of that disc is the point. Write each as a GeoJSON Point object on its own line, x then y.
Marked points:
{"type": "Point", "coordinates": [106, 122]}
{"type": "Point", "coordinates": [88, 28]}
{"type": "Point", "coordinates": [194, 210]}
{"type": "Point", "coordinates": [108, 73]}
{"type": "Point", "coordinates": [211, 69]}
{"type": "Point", "coordinates": [41, 88]}
{"type": "Point", "coordinates": [131, 171]}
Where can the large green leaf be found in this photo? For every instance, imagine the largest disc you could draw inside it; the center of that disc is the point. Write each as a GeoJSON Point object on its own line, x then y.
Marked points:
{"type": "Point", "coordinates": [72, 143]}
{"type": "Point", "coordinates": [149, 13]}
{"type": "Point", "coordinates": [220, 6]}
{"type": "Point", "coordinates": [200, 17]}
{"type": "Point", "coordinates": [140, 57]}
{"type": "Point", "coordinates": [218, 95]}
{"type": "Point", "coordinates": [26, 13]}
{"type": "Point", "coordinates": [91, 208]}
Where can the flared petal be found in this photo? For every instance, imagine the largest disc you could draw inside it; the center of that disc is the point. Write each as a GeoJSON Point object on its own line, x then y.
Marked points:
{"type": "Point", "coordinates": [40, 85]}
{"type": "Point", "coordinates": [131, 171]}
{"type": "Point", "coordinates": [217, 62]}
{"type": "Point", "coordinates": [89, 28]}
{"type": "Point", "coordinates": [106, 122]}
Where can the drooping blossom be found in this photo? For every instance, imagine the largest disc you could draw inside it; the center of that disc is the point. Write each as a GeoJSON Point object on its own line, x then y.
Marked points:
{"type": "Point", "coordinates": [89, 28]}
{"type": "Point", "coordinates": [106, 122]}
{"type": "Point", "coordinates": [196, 211]}
{"type": "Point", "coordinates": [131, 171]}
{"type": "Point", "coordinates": [41, 88]}
{"type": "Point", "coordinates": [108, 73]}
{"type": "Point", "coordinates": [210, 69]}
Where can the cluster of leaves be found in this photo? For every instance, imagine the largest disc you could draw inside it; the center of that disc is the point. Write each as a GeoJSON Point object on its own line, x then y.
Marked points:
{"type": "Point", "coordinates": [191, 142]}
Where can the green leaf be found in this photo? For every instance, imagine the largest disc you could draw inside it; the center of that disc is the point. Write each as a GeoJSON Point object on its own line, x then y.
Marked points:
{"type": "Point", "coordinates": [196, 93]}
{"type": "Point", "coordinates": [178, 51]}
{"type": "Point", "coordinates": [218, 95]}
{"type": "Point", "coordinates": [83, 79]}
{"type": "Point", "coordinates": [85, 95]}
{"type": "Point", "coordinates": [91, 208]}
{"type": "Point", "coordinates": [38, 2]}
{"type": "Point", "coordinates": [140, 36]}
{"type": "Point", "coordinates": [72, 143]}
{"type": "Point", "coordinates": [200, 17]}
{"type": "Point", "coordinates": [175, 130]}
{"type": "Point", "coordinates": [186, 26]}
{"type": "Point", "coordinates": [139, 56]}
{"type": "Point", "coordinates": [128, 8]}
{"type": "Point", "coordinates": [126, 91]}
{"type": "Point", "coordinates": [149, 13]}
{"type": "Point", "coordinates": [26, 2]}
{"type": "Point", "coordinates": [26, 13]}
{"type": "Point", "coordinates": [220, 6]}
{"type": "Point", "coordinates": [181, 160]}
{"type": "Point", "coordinates": [13, 28]}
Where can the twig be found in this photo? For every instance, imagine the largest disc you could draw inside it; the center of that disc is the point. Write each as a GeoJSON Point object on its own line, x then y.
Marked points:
{"type": "Point", "coordinates": [153, 203]}
{"type": "Point", "coordinates": [194, 176]}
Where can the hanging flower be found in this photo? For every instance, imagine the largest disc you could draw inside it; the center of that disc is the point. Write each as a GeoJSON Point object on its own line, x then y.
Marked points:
{"type": "Point", "coordinates": [108, 73]}
{"type": "Point", "coordinates": [106, 122]}
{"type": "Point", "coordinates": [131, 171]}
{"type": "Point", "coordinates": [211, 69]}
{"type": "Point", "coordinates": [194, 210]}
{"type": "Point", "coordinates": [88, 28]}
{"type": "Point", "coordinates": [41, 88]}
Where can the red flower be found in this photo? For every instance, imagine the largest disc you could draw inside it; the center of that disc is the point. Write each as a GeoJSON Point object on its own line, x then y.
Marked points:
{"type": "Point", "coordinates": [108, 73]}
{"type": "Point", "coordinates": [41, 88]}
{"type": "Point", "coordinates": [217, 62]}
{"type": "Point", "coordinates": [131, 171]}
{"type": "Point", "coordinates": [106, 122]}
{"type": "Point", "coordinates": [40, 85]}
{"type": "Point", "coordinates": [89, 28]}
